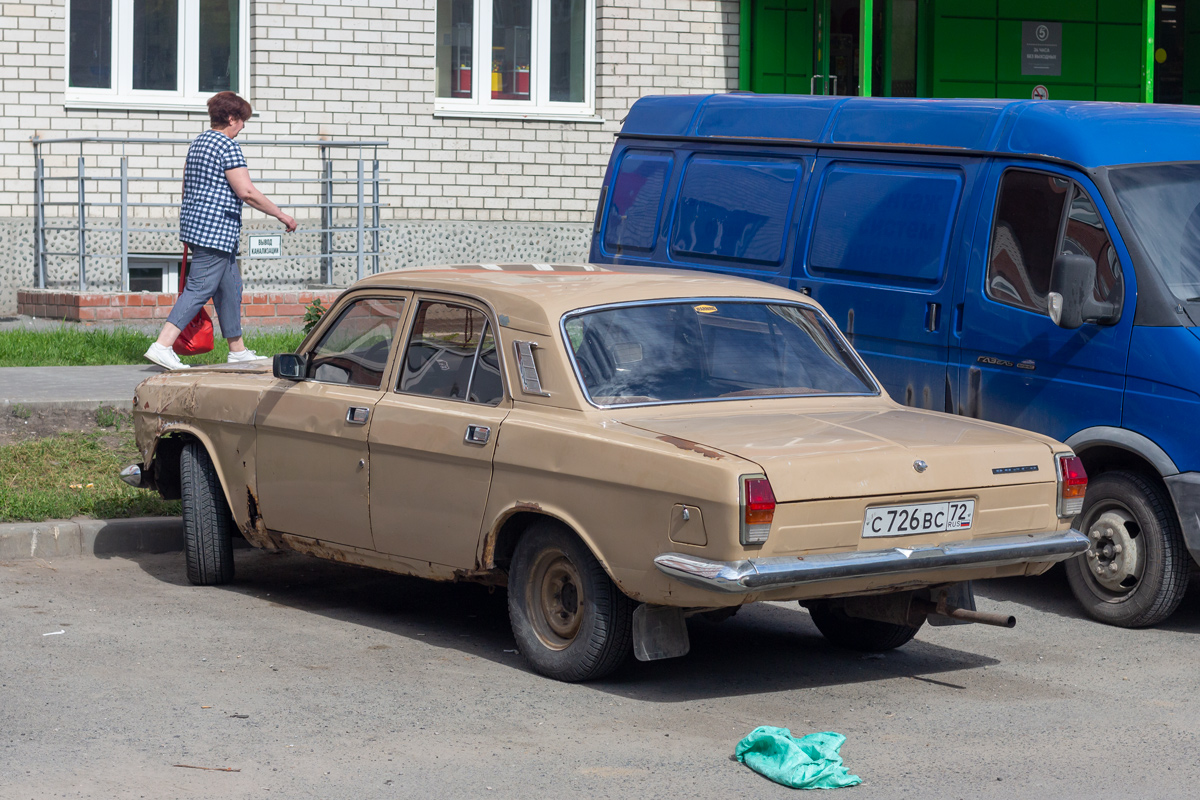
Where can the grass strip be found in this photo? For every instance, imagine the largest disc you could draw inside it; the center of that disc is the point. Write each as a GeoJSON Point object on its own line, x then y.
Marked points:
{"type": "Point", "coordinates": [74, 474]}
{"type": "Point", "coordinates": [81, 347]}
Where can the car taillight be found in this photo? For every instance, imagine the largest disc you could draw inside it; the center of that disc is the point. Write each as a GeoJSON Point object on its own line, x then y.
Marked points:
{"type": "Point", "coordinates": [758, 509]}
{"type": "Point", "coordinates": [1072, 483]}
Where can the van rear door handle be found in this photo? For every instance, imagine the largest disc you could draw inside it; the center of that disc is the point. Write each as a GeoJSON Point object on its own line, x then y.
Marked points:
{"type": "Point", "coordinates": [933, 316]}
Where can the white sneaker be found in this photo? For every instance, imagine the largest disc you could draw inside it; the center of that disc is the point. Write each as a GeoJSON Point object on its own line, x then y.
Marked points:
{"type": "Point", "coordinates": [165, 357]}
{"type": "Point", "coordinates": [240, 356]}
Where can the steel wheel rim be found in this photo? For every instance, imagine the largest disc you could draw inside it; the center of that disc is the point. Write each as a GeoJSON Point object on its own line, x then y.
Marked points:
{"type": "Point", "coordinates": [556, 599]}
{"type": "Point", "coordinates": [1115, 561]}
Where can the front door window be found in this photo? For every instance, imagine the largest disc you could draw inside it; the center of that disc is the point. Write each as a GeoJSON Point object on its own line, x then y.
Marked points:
{"type": "Point", "coordinates": [1029, 233]}
{"type": "Point", "coordinates": [355, 349]}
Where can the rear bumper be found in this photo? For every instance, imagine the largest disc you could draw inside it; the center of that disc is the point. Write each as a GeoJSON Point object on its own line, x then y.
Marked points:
{"type": "Point", "coordinates": [761, 574]}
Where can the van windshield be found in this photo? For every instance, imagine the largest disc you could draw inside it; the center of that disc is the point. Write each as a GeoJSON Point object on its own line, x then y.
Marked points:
{"type": "Point", "coordinates": [700, 350]}
{"type": "Point", "coordinates": [1162, 203]}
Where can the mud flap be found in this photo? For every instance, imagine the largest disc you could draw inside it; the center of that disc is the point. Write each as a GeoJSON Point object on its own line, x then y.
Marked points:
{"type": "Point", "coordinates": [659, 632]}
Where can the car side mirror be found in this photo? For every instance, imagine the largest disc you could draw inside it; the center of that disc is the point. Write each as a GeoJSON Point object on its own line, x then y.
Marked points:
{"type": "Point", "coordinates": [1070, 302]}
{"type": "Point", "coordinates": [289, 366]}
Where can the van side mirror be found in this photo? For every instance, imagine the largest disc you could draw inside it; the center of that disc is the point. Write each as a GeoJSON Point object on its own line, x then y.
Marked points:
{"type": "Point", "coordinates": [289, 366]}
{"type": "Point", "coordinates": [1070, 300]}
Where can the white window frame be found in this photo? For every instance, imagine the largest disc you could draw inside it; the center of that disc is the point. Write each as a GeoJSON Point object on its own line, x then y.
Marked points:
{"type": "Point", "coordinates": [539, 106]}
{"type": "Point", "coordinates": [122, 95]}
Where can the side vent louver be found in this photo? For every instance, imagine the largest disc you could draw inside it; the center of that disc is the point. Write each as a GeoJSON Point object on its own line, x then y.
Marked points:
{"type": "Point", "coordinates": [530, 382]}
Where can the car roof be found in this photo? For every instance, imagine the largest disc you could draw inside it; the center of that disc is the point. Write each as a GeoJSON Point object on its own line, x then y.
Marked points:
{"type": "Point", "coordinates": [533, 297]}
{"type": "Point", "coordinates": [1090, 134]}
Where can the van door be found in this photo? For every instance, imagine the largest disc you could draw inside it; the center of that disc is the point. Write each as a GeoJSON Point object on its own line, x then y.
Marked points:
{"type": "Point", "coordinates": [879, 235]}
{"type": "Point", "coordinates": [1015, 365]}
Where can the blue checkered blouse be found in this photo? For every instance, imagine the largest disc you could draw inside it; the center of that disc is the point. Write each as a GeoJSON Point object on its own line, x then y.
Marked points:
{"type": "Point", "coordinates": [212, 214]}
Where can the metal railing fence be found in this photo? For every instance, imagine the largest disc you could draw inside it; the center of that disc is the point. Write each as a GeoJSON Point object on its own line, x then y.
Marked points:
{"type": "Point", "coordinates": [117, 188]}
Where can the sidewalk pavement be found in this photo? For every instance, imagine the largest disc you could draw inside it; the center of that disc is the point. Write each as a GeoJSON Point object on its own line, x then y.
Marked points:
{"type": "Point", "coordinates": [71, 388]}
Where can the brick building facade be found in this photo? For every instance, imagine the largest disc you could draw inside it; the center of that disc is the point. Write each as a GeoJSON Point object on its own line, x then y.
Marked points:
{"type": "Point", "coordinates": [476, 175]}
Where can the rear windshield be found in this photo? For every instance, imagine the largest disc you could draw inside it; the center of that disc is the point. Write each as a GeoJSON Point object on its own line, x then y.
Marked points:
{"type": "Point", "coordinates": [699, 350]}
{"type": "Point", "coordinates": [1162, 203]}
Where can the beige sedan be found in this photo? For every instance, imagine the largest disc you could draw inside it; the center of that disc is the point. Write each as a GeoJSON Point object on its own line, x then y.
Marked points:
{"type": "Point", "coordinates": [620, 448]}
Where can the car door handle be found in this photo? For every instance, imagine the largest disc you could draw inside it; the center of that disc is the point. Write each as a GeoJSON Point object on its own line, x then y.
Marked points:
{"type": "Point", "coordinates": [933, 317]}
{"type": "Point", "coordinates": [477, 434]}
{"type": "Point", "coordinates": [357, 415]}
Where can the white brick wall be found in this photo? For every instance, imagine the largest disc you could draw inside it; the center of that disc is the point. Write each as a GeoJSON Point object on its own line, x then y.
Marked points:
{"type": "Point", "coordinates": [365, 69]}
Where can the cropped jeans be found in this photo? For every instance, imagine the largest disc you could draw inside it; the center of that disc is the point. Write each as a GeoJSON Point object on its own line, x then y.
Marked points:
{"type": "Point", "coordinates": [211, 274]}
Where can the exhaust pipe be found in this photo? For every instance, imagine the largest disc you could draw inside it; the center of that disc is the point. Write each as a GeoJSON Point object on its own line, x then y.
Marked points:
{"type": "Point", "coordinates": [905, 609]}
{"type": "Point", "coordinates": [942, 608]}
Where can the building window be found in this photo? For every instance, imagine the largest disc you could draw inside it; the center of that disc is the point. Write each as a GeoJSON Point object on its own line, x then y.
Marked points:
{"type": "Point", "coordinates": [170, 54]}
{"type": "Point", "coordinates": [516, 58]}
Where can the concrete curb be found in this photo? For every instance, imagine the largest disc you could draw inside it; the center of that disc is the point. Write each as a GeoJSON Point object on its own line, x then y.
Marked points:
{"type": "Point", "coordinates": [83, 536]}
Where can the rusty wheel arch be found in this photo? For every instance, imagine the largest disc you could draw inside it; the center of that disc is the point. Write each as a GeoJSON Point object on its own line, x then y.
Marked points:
{"type": "Point", "coordinates": [166, 463]}
{"type": "Point", "coordinates": [501, 543]}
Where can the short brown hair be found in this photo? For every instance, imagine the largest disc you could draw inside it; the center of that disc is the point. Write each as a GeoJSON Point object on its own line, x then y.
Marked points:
{"type": "Point", "coordinates": [225, 105]}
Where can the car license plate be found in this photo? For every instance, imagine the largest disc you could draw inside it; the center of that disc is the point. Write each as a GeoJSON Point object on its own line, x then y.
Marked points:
{"type": "Point", "coordinates": [952, 515]}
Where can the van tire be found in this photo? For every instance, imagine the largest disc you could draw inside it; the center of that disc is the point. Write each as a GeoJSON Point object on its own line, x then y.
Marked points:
{"type": "Point", "coordinates": [207, 523]}
{"type": "Point", "coordinates": [570, 620]}
{"type": "Point", "coordinates": [856, 633]}
{"type": "Point", "coordinates": [1130, 510]}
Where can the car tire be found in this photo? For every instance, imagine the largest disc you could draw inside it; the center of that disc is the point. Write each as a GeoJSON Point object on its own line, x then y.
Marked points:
{"type": "Point", "coordinates": [570, 620]}
{"type": "Point", "coordinates": [207, 524]}
{"type": "Point", "coordinates": [855, 633]}
{"type": "Point", "coordinates": [1135, 571]}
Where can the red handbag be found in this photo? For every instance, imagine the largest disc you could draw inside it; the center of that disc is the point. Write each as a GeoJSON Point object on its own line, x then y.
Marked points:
{"type": "Point", "coordinates": [197, 337]}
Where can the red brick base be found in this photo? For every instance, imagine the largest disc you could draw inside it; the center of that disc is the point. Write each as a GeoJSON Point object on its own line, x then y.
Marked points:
{"type": "Point", "coordinates": [258, 308]}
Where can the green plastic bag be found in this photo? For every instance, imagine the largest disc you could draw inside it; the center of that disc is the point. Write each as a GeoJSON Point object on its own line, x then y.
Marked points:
{"type": "Point", "coordinates": [812, 762]}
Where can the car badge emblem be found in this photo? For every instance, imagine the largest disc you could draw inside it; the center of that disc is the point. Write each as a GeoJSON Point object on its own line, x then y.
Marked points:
{"type": "Point", "coordinates": [920, 466]}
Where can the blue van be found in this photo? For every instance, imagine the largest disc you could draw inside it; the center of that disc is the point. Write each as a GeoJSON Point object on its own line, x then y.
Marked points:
{"type": "Point", "coordinates": [1034, 263]}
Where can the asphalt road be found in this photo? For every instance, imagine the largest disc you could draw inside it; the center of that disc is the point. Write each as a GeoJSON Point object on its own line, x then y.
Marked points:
{"type": "Point", "coordinates": [315, 679]}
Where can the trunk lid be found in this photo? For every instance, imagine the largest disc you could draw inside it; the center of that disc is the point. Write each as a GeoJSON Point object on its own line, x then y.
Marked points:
{"type": "Point", "coordinates": [862, 453]}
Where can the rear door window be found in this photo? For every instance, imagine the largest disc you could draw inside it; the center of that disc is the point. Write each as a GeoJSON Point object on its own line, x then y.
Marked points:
{"type": "Point", "coordinates": [452, 353]}
{"type": "Point", "coordinates": [738, 211]}
{"type": "Point", "coordinates": [635, 201]}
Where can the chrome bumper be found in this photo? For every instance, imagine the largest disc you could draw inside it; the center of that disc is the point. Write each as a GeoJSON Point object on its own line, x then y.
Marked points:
{"type": "Point", "coordinates": [762, 574]}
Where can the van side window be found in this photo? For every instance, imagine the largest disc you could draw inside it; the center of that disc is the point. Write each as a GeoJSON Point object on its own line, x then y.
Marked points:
{"type": "Point", "coordinates": [884, 224]}
{"type": "Point", "coordinates": [1029, 233]}
{"type": "Point", "coordinates": [634, 205]}
{"type": "Point", "coordinates": [736, 210]}
{"type": "Point", "coordinates": [1028, 215]}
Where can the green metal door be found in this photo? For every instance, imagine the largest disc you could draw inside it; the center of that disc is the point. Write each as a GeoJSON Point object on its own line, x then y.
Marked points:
{"type": "Point", "coordinates": [804, 46]}
{"type": "Point", "coordinates": [781, 52]}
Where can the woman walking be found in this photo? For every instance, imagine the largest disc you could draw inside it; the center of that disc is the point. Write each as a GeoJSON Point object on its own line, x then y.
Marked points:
{"type": "Point", "coordinates": [215, 184]}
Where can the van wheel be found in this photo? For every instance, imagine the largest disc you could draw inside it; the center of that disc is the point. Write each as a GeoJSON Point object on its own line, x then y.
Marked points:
{"type": "Point", "coordinates": [1135, 571]}
{"type": "Point", "coordinates": [856, 633]}
{"type": "Point", "coordinates": [207, 524]}
{"type": "Point", "coordinates": [570, 620]}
